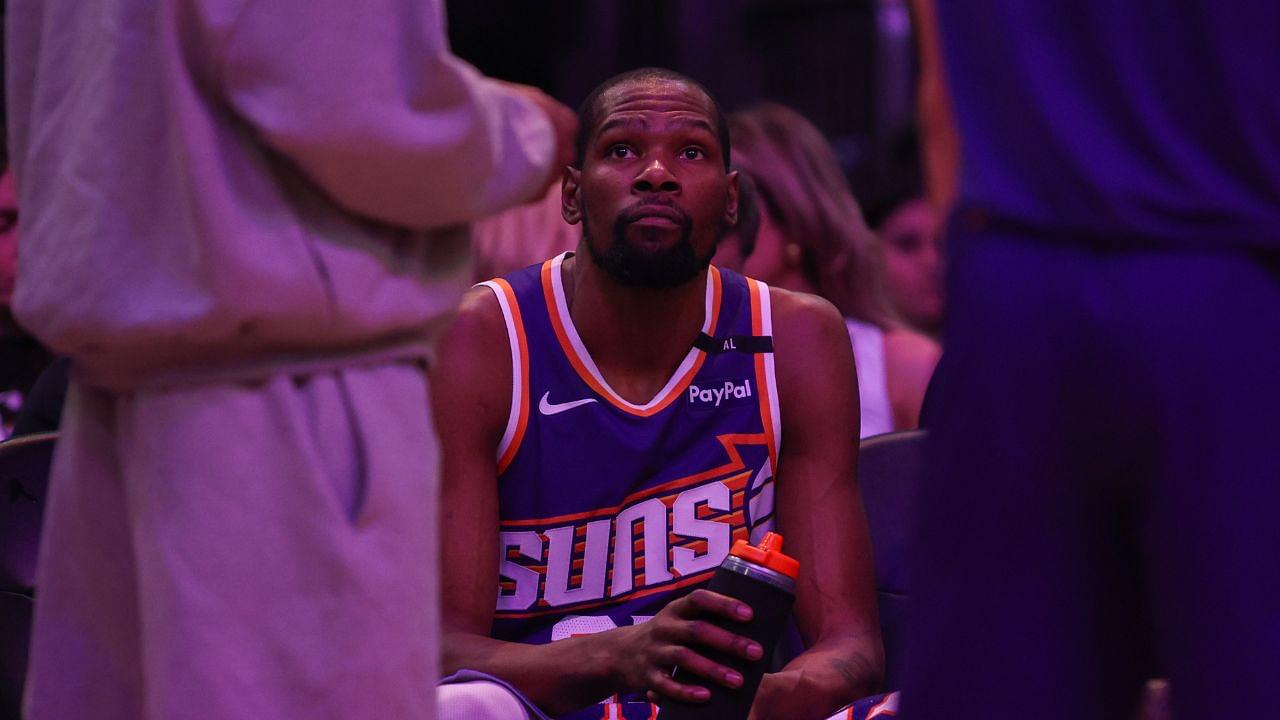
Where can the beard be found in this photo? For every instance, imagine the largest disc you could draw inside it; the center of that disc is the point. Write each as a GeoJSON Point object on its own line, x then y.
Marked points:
{"type": "Point", "coordinates": [634, 266]}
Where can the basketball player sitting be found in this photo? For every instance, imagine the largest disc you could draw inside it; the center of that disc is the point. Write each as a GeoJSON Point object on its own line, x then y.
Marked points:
{"type": "Point", "coordinates": [613, 419]}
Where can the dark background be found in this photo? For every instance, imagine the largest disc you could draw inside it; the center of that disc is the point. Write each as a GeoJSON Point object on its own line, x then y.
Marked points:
{"type": "Point", "coordinates": [848, 65]}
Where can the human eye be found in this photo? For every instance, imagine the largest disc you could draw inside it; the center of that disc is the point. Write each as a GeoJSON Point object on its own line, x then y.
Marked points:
{"type": "Point", "coordinates": [620, 152]}
{"type": "Point", "coordinates": [693, 153]}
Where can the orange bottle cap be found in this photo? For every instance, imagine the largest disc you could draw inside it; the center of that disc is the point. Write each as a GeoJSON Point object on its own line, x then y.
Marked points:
{"type": "Point", "coordinates": [768, 554]}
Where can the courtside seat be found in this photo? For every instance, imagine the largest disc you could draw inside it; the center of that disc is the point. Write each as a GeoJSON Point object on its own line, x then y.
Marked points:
{"type": "Point", "coordinates": [889, 471]}
{"type": "Point", "coordinates": [15, 633]}
{"type": "Point", "coordinates": [24, 480]}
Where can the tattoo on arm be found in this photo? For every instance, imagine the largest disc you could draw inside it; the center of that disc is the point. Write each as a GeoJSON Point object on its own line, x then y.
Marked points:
{"type": "Point", "coordinates": [859, 672]}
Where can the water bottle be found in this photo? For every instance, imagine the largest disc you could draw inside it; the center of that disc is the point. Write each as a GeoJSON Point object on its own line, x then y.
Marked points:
{"type": "Point", "coordinates": [765, 579]}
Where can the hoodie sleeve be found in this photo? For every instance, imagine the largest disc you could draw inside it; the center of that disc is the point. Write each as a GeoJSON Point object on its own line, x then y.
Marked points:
{"type": "Point", "coordinates": [366, 98]}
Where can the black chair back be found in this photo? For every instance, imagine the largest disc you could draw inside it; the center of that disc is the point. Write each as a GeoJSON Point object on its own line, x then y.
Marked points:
{"type": "Point", "coordinates": [15, 633]}
{"type": "Point", "coordinates": [24, 482]}
{"type": "Point", "coordinates": [889, 471]}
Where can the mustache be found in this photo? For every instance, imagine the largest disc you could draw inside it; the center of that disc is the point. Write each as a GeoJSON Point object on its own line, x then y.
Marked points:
{"type": "Point", "coordinates": [649, 209]}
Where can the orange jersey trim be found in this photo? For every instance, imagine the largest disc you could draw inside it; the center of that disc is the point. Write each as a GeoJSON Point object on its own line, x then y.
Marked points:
{"type": "Point", "coordinates": [762, 379]}
{"type": "Point", "coordinates": [580, 364]}
{"type": "Point", "coordinates": [517, 328]}
{"type": "Point", "coordinates": [887, 707]}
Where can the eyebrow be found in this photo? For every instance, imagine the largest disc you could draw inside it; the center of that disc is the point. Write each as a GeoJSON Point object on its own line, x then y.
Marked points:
{"type": "Point", "coordinates": [637, 123]}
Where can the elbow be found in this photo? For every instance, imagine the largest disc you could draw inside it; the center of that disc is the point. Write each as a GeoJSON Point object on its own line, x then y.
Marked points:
{"type": "Point", "coordinates": [865, 666]}
{"type": "Point", "coordinates": [457, 651]}
{"type": "Point", "coordinates": [862, 663]}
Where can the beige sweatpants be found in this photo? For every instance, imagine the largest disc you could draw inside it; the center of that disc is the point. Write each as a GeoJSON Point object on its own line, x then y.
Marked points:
{"type": "Point", "coordinates": [259, 551]}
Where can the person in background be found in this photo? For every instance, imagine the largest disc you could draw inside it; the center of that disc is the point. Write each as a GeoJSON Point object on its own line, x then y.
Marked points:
{"type": "Point", "coordinates": [22, 358]}
{"type": "Point", "coordinates": [1103, 470]}
{"type": "Point", "coordinates": [812, 238]}
{"type": "Point", "coordinates": [8, 238]}
{"type": "Point", "coordinates": [938, 137]}
{"type": "Point", "coordinates": [913, 264]}
{"type": "Point", "coordinates": [243, 221]}
{"type": "Point", "coordinates": [521, 236]}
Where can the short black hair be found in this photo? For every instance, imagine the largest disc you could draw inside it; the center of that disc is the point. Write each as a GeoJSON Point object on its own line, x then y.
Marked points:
{"type": "Point", "coordinates": [589, 110]}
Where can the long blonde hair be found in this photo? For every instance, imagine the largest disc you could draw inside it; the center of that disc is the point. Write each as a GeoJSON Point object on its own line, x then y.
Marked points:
{"type": "Point", "coordinates": [801, 187]}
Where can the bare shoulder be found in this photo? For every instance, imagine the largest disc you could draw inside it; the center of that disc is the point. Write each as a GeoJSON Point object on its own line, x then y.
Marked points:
{"type": "Point", "coordinates": [472, 375]}
{"type": "Point", "coordinates": [804, 319]}
{"type": "Point", "coordinates": [910, 359]}
{"type": "Point", "coordinates": [475, 328]}
{"type": "Point", "coordinates": [911, 347]}
{"type": "Point", "coordinates": [813, 358]}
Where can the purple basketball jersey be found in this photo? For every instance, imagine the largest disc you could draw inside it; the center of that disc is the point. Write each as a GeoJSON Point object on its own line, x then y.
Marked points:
{"type": "Point", "coordinates": [608, 509]}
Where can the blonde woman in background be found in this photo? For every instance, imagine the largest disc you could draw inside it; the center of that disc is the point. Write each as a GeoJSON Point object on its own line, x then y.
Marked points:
{"type": "Point", "coordinates": [812, 238]}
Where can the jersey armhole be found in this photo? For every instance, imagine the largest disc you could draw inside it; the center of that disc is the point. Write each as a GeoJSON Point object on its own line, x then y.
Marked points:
{"type": "Point", "coordinates": [518, 415]}
{"type": "Point", "coordinates": [762, 325]}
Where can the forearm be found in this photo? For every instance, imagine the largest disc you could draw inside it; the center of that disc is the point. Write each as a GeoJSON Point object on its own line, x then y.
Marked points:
{"type": "Point", "coordinates": [840, 670]}
{"type": "Point", "coordinates": [557, 677]}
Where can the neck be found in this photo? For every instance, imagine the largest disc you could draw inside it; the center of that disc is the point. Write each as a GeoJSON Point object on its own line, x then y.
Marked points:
{"type": "Point", "coordinates": [637, 336]}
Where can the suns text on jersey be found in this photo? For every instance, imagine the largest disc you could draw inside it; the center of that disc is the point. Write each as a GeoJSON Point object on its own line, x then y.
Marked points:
{"type": "Point", "coordinates": [662, 537]}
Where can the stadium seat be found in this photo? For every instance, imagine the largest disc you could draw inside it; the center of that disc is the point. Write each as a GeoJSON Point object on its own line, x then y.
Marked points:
{"type": "Point", "coordinates": [889, 470]}
{"type": "Point", "coordinates": [24, 478]}
{"type": "Point", "coordinates": [15, 632]}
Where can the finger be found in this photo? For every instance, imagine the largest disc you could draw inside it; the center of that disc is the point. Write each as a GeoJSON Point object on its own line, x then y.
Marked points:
{"type": "Point", "coordinates": [707, 634]}
{"type": "Point", "coordinates": [702, 601]}
{"type": "Point", "coordinates": [690, 661]}
{"type": "Point", "coordinates": [662, 685]}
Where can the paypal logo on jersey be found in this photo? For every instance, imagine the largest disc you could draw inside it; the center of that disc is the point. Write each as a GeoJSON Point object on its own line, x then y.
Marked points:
{"type": "Point", "coordinates": [713, 395]}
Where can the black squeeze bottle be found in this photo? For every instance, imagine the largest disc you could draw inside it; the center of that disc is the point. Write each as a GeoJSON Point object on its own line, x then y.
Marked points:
{"type": "Point", "coordinates": [765, 579]}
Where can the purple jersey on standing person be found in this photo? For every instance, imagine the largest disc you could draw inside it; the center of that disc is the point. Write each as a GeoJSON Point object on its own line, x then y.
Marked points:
{"type": "Point", "coordinates": [609, 510]}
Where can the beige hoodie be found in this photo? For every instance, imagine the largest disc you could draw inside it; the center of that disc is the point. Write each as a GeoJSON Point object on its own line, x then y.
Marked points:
{"type": "Point", "coordinates": [224, 189]}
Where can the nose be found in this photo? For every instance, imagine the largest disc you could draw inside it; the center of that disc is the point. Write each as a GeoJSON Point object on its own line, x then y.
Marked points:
{"type": "Point", "coordinates": [935, 260]}
{"type": "Point", "coordinates": [655, 177]}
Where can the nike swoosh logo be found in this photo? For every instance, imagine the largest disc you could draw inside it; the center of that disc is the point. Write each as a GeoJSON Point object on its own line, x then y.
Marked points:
{"type": "Point", "coordinates": [549, 408]}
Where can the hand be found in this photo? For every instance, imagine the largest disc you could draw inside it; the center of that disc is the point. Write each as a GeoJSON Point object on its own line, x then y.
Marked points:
{"type": "Point", "coordinates": [564, 124]}
{"type": "Point", "coordinates": [648, 652]}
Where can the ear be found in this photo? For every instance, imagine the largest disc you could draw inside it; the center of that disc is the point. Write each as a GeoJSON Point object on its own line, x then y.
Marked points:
{"type": "Point", "coordinates": [793, 255]}
{"type": "Point", "coordinates": [731, 204]}
{"type": "Point", "coordinates": [570, 198]}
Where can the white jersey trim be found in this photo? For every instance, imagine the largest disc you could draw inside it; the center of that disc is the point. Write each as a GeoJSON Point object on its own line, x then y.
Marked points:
{"type": "Point", "coordinates": [584, 357]}
{"type": "Point", "coordinates": [766, 322]}
{"type": "Point", "coordinates": [517, 378]}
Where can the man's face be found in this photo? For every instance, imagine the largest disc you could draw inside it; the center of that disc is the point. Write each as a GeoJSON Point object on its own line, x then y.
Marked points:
{"type": "Point", "coordinates": [652, 193]}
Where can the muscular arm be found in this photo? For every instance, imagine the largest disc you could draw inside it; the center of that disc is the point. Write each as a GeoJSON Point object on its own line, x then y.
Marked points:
{"type": "Point", "coordinates": [820, 514]}
{"type": "Point", "coordinates": [471, 397]}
